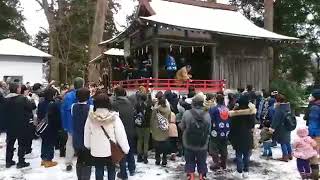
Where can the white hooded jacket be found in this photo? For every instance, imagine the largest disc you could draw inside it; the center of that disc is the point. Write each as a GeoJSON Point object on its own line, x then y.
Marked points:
{"type": "Point", "coordinates": [96, 140]}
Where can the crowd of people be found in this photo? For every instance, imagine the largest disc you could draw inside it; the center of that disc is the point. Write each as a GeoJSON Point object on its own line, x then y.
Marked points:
{"type": "Point", "coordinates": [88, 123]}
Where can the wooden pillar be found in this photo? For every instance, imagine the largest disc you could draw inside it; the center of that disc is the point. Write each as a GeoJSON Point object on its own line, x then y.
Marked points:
{"type": "Point", "coordinates": [268, 25]}
{"type": "Point", "coordinates": [155, 59]}
{"type": "Point", "coordinates": [214, 64]}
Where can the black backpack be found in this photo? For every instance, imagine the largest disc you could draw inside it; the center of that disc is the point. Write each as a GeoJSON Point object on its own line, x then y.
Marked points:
{"type": "Point", "coordinates": [198, 131]}
{"type": "Point", "coordinates": [290, 121]}
{"type": "Point", "coordinates": [139, 114]}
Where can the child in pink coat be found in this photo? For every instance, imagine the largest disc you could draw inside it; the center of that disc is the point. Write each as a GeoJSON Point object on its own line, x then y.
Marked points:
{"type": "Point", "coordinates": [304, 149]}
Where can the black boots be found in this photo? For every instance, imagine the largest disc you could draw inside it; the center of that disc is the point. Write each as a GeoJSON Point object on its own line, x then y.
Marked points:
{"type": "Point", "coordinates": [140, 158]}
{"type": "Point", "coordinates": [145, 159]}
{"type": "Point", "coordinates": [10, 164]}
{"type": "Point", "coordinates": [22, 165]}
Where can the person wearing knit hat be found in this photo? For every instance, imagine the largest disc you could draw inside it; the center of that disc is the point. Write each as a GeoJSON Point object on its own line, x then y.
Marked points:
{"type": "Point", "coordinates": [198, 100]}
{"type": "Point", "coordinates": [195, 126]}
{"type": "Point", "coordinates": [314, 128]}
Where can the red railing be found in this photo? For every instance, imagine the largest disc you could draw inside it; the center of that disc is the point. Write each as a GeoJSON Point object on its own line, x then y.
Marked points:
{"type": "Point", "coordinates": [173, 84]}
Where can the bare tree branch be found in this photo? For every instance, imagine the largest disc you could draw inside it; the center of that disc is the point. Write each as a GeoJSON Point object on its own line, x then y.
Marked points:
{"type": "Point", "coordinates": [39, 2]}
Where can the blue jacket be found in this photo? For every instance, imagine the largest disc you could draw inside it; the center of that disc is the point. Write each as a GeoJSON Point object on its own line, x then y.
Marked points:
{"type": "Point", "coordinates": [220, 127]}
{"type": "Point", "coordinates": [314, 119]}
{"type": "Point", "coordinates": [171, 64]}
{"type": "Point", "coordinates": [271, 109]}
{"type": "Point", "coordinates": [260, 109]}
{"type": "Point", "coordinates": [69, 99]}
{"type": "Point", "coordinates": [79, 116]}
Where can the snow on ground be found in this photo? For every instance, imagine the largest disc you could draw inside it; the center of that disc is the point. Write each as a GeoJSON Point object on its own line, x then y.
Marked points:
{"type": "Point", "coordinates": [260, 169]}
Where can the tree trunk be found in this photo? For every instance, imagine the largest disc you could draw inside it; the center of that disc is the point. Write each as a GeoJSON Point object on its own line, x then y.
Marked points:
{"type": "Point", "coordinates": [54, 61]}
{"type": "Point", "coordinates": [54, 73]}
{"type": "Point", "coordinates": [268, 25]}
{"type": "Point", "coordinates": [96, 38]}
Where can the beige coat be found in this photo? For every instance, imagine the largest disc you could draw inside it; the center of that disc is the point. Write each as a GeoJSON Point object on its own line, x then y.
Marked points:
{"type": "Point", "coordinates": [95, 139]}
{"type": "Point", "coordinates": [173, 130]}
{"type": "Point", "coordinates": [157, 133]}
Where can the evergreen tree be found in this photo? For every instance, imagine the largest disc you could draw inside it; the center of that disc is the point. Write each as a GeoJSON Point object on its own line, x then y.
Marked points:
{"type": "Point", "coordinates": [298, 18]}
{"type": "Point", "coordinates": [11, 21]}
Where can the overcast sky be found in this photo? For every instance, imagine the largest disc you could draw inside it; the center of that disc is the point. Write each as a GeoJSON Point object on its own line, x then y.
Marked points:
{"type": "Point", "coordinates": [35, 18]}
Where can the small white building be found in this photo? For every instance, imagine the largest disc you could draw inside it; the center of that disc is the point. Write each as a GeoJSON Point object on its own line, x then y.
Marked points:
{"type": "Point", "coordinates": [19, 61]}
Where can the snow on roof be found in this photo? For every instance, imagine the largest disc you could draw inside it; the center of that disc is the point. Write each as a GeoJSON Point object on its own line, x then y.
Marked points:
{"type": "Point", "coordinates": [110, 52]}
{"type": "Point", "coordinates": [208, 19]}
{"type": "Point", "coordinates": [12, 47]}
{"type": "Point", "coordinates": [114, 52]}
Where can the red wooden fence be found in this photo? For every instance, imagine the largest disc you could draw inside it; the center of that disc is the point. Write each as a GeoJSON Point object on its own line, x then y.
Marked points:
{"type": "Point", "coordinates": [173, 84]}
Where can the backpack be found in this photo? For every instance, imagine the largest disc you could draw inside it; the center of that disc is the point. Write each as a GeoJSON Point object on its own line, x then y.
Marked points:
{"type": "Point", "coordinates": [290, 121]}
{"type": "Point", "coordinates": [43, 124]}
{"type": "Point", "coordinates": [163, 123]}
{"type": "Point", "coordinates": [139, 114]}
{"type": "Point", "coordinates": [138, 118]}
{"type": "Point", "coordinates": [198, 132]}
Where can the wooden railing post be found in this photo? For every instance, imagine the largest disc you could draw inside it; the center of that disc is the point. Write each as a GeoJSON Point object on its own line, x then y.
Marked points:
{"type": "Point", "coordinates": [188, 84]}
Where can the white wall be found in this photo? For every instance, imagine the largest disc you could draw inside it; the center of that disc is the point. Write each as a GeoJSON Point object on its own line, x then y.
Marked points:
{"type": "Point", "coordinates": [30, 68]}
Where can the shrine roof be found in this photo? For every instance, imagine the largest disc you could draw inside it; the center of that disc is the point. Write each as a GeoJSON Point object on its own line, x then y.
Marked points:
{"type": "Point", "coordinates": [203, 16]}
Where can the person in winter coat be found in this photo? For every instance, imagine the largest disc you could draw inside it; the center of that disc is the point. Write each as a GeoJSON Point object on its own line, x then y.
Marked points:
{"type": "Point", "coordinates": [31, 128]}
{"type": "Point", "coordinates": [263, 104]}
{"type": "Point", "coordinates": [281, 134]}
{"type": "Point", "coordinates": [183, 73]}
{"type": "Point", "coordinates": [171, 66]}
{"type": "Point", "coordinates": [266, 139]}
{"type": "Point", "coordinates": [69, 99]}
{"type": "Point", "coordinates": [134, 97]}
{"type": "Point", "coordinates": [314, 128]}
{"type": "Point", "coordinates": [251, 94]}
{"type": "Point", "coordinates": [304, 148]}
{"type": "Point", "coordinates": [241, 134]}
{"type": "Point", "coordinates": [172, 98]}
{"type": "Point", "coordinates": [219, 134]}
{"type": "Point", "coordinates": [232, 101]}
{"type": "Point", "coordinates": [79, 113]}
{"type": "Point", "coordinates": [210, 102]}
{"type": "Point", "coordinates": [102, 117]}
{"type": "Point", "coordinates": [125, 108]}
{"type": "Point", "coordinates": [15, 111]}
{"type": "Point", "coordinates": [3, 94]}
{"type": "Point", "coordinates": [160, 135]}
{"type": "Point", "coordinates": [49, 110]}
{"type": "Point", "coordinates": [143, 113]}
{"type": "Point", "coordinates": [196, 129]}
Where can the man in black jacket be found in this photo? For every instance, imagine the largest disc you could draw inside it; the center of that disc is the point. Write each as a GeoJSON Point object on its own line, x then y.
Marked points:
{"type": "Point", "coordinates": [125, 108]}
{"type": "Point", "coordinates": [16, 107]}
